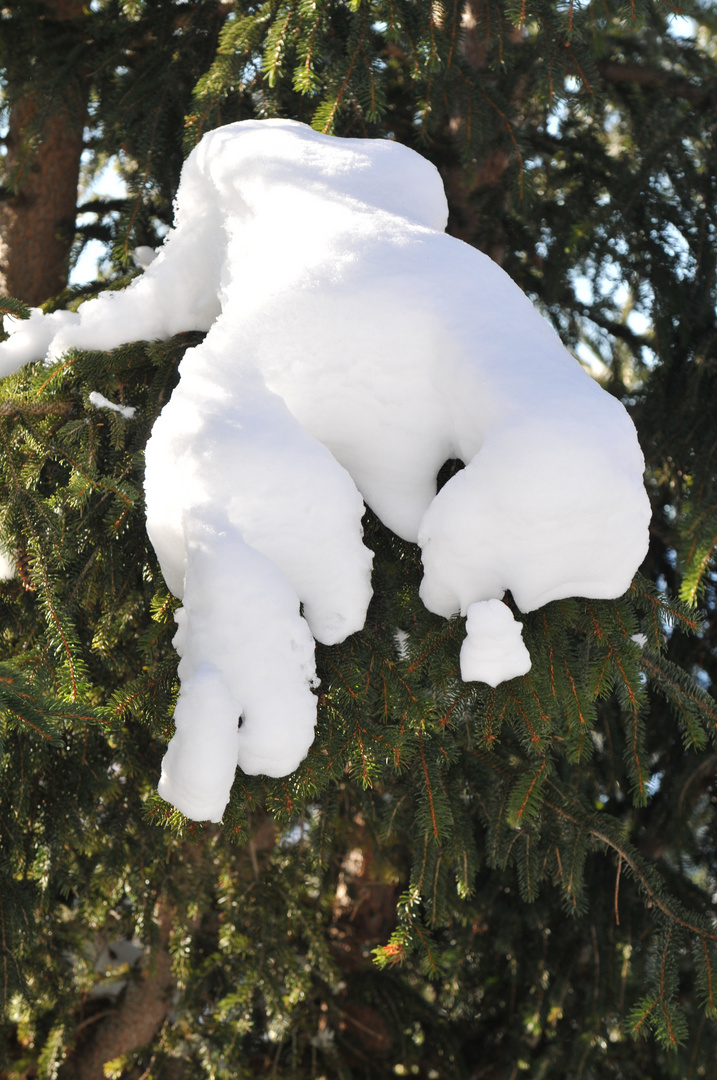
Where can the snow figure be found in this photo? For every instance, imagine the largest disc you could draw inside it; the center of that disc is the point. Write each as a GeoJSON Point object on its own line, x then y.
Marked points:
{"type": "Point", "coordinates": [352, 348]}
{"type": "Point", "coordinates": [493, 649]}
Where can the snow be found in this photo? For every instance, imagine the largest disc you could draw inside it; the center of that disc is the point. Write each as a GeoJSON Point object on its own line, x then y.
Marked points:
{"type": "Point", "coordinates": [352, 348]}
{"type": "Point", "coordinates": [113, 954]}
{"type": "Point", "coordinates": [493, 650]}
{"type": "Point", "coordinates": [31, 338]}
{"type": "Point", "coordinates": [142, 256]}
{"type": "Point", "coordinates": [101, 402]}
{"type": "Point", "coordinates": [8, 569]}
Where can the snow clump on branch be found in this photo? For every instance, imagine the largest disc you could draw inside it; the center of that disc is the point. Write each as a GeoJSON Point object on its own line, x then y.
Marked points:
{"type": "Point", "coordinates": [352, 348]}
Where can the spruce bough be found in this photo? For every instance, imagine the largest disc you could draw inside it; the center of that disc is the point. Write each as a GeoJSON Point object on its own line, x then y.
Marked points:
{"type": "Point", "coordinates": [464, 880]}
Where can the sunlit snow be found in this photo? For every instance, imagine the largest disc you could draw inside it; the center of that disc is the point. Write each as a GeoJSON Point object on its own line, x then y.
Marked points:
{"type": "Point", "coordinates": [101, 402]}
{"type": "Point", "coordinates": [493, 649]}
{"type": "Point", "coordinates": [8, 570]}
{"type": "Point", "coordinates": [352, 348]}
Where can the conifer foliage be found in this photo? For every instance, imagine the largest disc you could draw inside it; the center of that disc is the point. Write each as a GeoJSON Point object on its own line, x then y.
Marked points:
{"type": "Point", "coordinates": [458, 881]}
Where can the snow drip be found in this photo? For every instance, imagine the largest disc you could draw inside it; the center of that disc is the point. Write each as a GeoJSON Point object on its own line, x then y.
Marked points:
{"type": "Point", "coordinates": [352, 348]}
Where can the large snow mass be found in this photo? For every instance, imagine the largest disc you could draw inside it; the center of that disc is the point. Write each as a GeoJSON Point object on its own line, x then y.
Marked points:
{"type": "Point", "coordinates": [352, 348]}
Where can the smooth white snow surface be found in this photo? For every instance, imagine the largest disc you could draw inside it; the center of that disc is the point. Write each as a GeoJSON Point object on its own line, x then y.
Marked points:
{"type": "Point", "coordinates": [353, 348]}
{"type": "Point", "coordinates": [493, 649]}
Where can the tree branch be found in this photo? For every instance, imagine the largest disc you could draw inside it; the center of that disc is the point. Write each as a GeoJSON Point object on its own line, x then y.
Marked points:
{"type": "Point", "coordinates": [614, 71]}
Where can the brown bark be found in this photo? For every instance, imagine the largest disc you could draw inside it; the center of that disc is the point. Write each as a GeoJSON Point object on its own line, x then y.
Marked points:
{"type": "Point", "coordinates": [37, 221]}
{"type": "Point", "coordinates": [468, 188]}
{"type": "Point", "coordinates": [138, 1016]}
{"type": "Point", "coordinates": [364, 914]}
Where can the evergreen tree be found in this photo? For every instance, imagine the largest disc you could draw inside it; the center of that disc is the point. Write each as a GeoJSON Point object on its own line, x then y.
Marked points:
{"type": "Point", "coordinates": [458, 881]}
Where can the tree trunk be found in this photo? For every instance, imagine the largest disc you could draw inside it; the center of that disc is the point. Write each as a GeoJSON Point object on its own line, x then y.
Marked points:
{"type": "Point", "coordinates": [37, 221]}
{"type": "Point", "coordinates": [139, 1015]}
{"type": "Point", "coordinates": [472, 191]}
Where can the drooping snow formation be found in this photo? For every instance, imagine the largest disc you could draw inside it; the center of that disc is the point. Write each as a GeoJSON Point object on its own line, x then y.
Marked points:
{"type": "Point", "coordinates": [352, 348]}
{"type": "Point", "coordinates": [493, 649]}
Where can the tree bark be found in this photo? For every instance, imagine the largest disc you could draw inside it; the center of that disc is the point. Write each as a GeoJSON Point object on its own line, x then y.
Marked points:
{"type": "Point", "coordinates": [472, 192]}
{"type": "Point", "coordinates": [139, 1015]}
{"type": "Point", "coordinates": [37, 221]}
